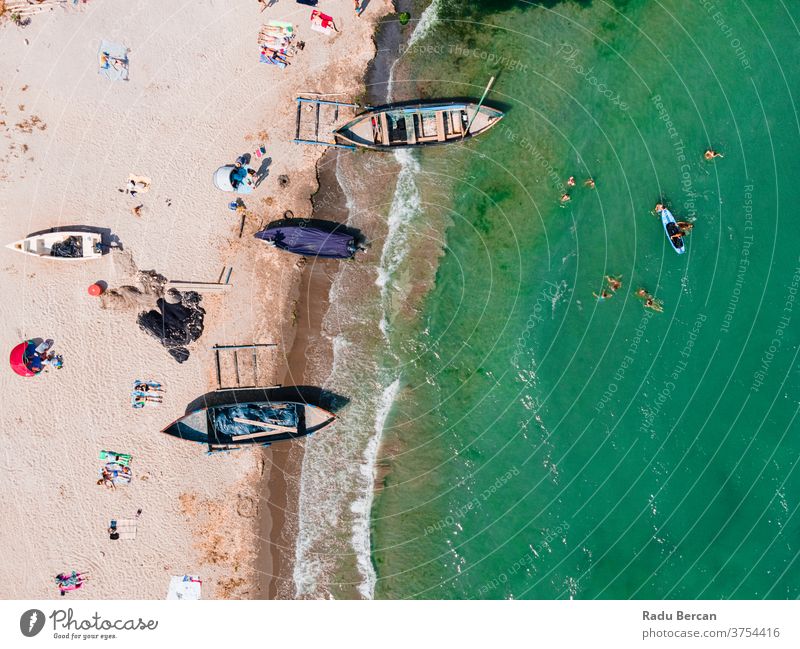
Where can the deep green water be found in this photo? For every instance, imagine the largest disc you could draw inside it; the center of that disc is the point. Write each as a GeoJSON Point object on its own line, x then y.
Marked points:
{"type": "Point", "coordinates": [545, 445]}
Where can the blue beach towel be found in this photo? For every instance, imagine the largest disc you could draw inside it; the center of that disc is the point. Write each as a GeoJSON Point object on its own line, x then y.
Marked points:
{"type": "Point", "coordinates": [263, 58]}
{"type": "Point", "coordinates": [113, 61]}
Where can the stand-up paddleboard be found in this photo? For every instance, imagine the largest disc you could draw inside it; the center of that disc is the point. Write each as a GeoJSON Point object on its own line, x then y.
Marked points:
{"type": "Point", "coordinates": [671, 228]}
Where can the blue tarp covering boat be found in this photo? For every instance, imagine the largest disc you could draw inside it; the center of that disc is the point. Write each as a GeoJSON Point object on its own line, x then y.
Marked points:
{"type": "Point", "coordinates": [310, 241]}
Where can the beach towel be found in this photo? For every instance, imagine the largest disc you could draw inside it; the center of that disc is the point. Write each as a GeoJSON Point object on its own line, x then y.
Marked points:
{"type": "Point", "coordinates": [139, 393]}
{"type": "Point", "coordinates": [118, 476]}
{"type": "Point", "coordinates": [272, 58]}
{"type": "Point", "coordinates": [122, 459]}
{"type": "Point", "coordinates": [113, 61]}
{"type": "Point", "coordinates": [322, 23]}
{"type": "Point", "coordinates": [126, 528]}
{"type": "Point", "coordinates": [184, 587]}
{"type": "Point", "coordinates": [282, 25]}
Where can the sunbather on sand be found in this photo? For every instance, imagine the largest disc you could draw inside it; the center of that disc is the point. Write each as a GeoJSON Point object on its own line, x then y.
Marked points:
{"type": "Point", "coordinates": [144, 398]}
{"type": "Point", "coordinates": [66, 581]}
{"type": "Point", "coordinates": [116, 469]}
{"type": "Point", "coordinates": [106, 61]}
{"type": "Point", "coordinates": [148, 387]}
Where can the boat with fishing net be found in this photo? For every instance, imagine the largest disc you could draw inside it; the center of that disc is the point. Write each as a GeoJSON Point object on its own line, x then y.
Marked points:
{"type": "Point", "coordinates": [226, 427]}
{"type": "Point", "coordinates": [63, 245]}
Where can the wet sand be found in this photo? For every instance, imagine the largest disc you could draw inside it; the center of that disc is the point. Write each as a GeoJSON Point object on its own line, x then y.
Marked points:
{"type": "Point", "coordinates": [307, 363]}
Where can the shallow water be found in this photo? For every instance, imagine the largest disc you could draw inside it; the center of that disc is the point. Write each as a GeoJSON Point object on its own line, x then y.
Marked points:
{"type": "Point", "coordinates": [546, 445]}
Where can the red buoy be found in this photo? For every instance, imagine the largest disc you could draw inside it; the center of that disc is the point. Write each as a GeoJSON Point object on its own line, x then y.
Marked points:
{"type": "Point", "coordinates": [95, 290]}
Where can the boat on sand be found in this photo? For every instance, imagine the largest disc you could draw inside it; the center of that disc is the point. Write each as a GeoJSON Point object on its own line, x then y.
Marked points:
{"type": "Point", "coordinates": [64, 245]}
{"type": "Point", "coordinates": [310, 241]}
{"type": "Point", "coordinates": [228, 426]}
{"type": "Point", "coordinates": [418, 124]}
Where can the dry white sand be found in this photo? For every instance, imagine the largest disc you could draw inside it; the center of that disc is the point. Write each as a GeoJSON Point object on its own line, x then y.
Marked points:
{"type": "Point", "coordinates": [197, 98]}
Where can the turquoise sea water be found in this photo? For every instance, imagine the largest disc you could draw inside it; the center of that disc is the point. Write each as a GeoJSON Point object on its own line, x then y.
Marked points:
{"type": "Point", "coordinates": [546, 445]}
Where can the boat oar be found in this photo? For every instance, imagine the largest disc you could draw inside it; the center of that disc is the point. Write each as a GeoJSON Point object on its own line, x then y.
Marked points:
{"type": "Point", "coordinates": [478, 109]}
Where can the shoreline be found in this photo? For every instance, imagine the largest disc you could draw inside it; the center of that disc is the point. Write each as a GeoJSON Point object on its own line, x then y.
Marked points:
{"type": "Point", "coordinates": [278, 528]}
{"type": "Point", "coordinates": [339, 199]}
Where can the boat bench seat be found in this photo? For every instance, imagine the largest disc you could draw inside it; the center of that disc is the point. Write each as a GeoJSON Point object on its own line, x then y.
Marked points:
{"type": "Point", "coordinates": [441, 131]}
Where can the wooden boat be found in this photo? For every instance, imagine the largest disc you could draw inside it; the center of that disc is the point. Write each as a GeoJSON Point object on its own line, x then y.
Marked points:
{"type": "Point", "coordinates": [228, 426]}
{"type": "Point", "coordinates": [418, 124]}
{"type": "Point", "coordinates": [673, 232]}
{"type": "Point", "coordinates": [63, 245]}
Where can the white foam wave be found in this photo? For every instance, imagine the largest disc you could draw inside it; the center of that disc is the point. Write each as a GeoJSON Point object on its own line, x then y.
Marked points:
{"type": "Point", "coordinates": [334, 464]}
{"type": "Point", "coordinates": [426, 22]}
{"type": "Point", "coordinates": [319, 495]}
{"type": "Point", "coordinates": [406, 205]}
{"type": "Point", "coordinates": [362, 506]}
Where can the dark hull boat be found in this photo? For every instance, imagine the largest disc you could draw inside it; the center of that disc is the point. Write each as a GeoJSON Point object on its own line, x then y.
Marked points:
{"type": "Point", "coordinates": [229, 426]}
{"type": "Point", "coordinates": [418, 124]}
{"type": "Point", "coordinates": [310, 241]}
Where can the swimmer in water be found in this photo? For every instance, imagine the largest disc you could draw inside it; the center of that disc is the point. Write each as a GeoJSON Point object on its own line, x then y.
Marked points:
{"type": "Point", "coordinates": [649, 301]}
{"type": "Point", "coordinates": [685, 227]}
{"type": "Point", "coordinates": [604, 295]}
{"type": "Point", "coordinates": [588, 183]}
{"type": "Point", "coordinates": [614, 283]}
{"type": "Point", "coordinates": [710, 154]}
{"type": "Point", "coordinates": [571, 181]}
{"type": "Point", "coordinates": [652, 303]}
{"type": "Point", "coordinates": [565, 198]}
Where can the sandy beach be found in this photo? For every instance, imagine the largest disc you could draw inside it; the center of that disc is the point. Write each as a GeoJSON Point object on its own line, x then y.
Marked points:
{"type": "Point", "coordinates": [197, 97]}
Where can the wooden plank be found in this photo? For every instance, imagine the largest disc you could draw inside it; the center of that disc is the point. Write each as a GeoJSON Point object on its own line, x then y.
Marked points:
{"type": "Point", "coordinates": [455, 122]}
{"type": "Point", "coordinates": [441, 133]}
{"type": "Point", "coordinates": [263, 424]}
{"type": "Point", "coordinates": [412, 132]}
{"type": "Point", "coordinates": [384, 129]}
{"type": "Point", "coordinates": [266, 433]}
{"type": "Point", "coordinates": [219, 369]}
{"type": "Point", "coordinates": [196, 286]}
{"type": "Point", "coordinates": [299, 113]}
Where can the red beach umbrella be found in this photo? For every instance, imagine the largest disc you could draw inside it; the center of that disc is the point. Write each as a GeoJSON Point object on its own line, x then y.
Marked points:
{"type": "Point", "coordinates": [19, 362]}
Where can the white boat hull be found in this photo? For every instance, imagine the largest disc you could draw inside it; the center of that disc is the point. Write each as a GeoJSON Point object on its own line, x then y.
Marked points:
{"type": "Point", "coordinates": [41, 245]}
